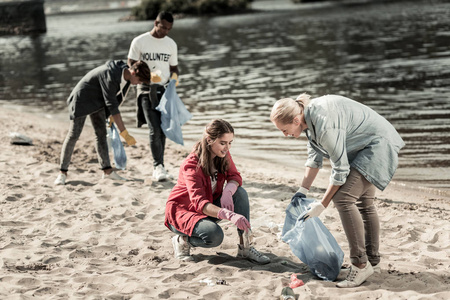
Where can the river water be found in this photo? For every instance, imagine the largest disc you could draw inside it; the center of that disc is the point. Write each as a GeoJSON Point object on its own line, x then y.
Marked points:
{"type": "Point", "coordinates": [393, 57]}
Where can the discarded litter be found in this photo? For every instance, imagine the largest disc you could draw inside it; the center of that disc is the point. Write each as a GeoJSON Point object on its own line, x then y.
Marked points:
{"type": "Point", "coordinates": [295, 282]}
{"type": "Point", "coordinates": [287, 294]}
{"type": "Point", "coordinates": [248, 238]}
{"type": "Point", "coordinates": [275, 228]}
{"type": "Point", "coordinates": [212, 282]}
{"type": "Point", "coordinates": [208, 282]}
{"type": "Point", "coordinates": [20, 139]}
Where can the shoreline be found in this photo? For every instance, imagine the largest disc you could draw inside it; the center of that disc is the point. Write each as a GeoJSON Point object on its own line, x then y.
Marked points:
{"type": "Point", "coordinates": [244, 154]}
{"type": "Point", "coordinates": [399, 185]}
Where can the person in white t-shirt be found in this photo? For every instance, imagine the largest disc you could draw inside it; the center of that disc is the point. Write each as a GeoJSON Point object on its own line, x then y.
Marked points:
{"type": "Point", "coordinates": [160, 52]}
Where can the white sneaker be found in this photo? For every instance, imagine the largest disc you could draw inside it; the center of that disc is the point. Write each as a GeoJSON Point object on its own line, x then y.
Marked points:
{"type": "Point", "coordinates": [61, 179]}
{"type": "Point", "coordinates": [356, 276]}
{"type": "Point", "coordinates": [169, 176]}
{"type": "Point", "coordinates": [252, 255]}
{"type": "Point", "coordinates": [113, 176]}
{"type": "Point", "coordinates": [159, 173]}
{"type": "Point", "coordinates": [181, 249]}
{"type": "Point", "coordinates": [376, 269]}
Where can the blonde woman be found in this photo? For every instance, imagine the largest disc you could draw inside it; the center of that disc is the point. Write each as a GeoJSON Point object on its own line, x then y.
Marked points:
{"type": "Point", "coordinates": [201, 197]}
{"type": "Point", "coordinates": [362, 147]}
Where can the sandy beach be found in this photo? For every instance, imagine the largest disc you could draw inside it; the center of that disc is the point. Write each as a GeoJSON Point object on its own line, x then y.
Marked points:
{"type": "Point", "coordinates": [100, 239]}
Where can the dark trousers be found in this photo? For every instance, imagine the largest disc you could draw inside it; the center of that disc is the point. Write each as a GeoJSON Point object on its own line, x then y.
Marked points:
{"type": "Point", "coordinates": [152, 116]}
{"type": "Point", "coordinates": [207, 233]}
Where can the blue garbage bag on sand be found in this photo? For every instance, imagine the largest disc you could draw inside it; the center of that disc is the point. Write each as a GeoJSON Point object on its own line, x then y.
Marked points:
{"type": "Point", "coordinates": [120, 156]}
{"type": "Point", "coordinates": [173, 114]}
{"type": "Point", "coordinates": [311, 241]}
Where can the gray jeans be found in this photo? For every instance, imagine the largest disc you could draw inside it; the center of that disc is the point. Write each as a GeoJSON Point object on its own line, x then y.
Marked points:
{"type": "Point", "coordinates": [207, 233]}
{"type": "Point", "coordinates": [355, 203]}
{"type": "Point", "coordinates": [98, 120]}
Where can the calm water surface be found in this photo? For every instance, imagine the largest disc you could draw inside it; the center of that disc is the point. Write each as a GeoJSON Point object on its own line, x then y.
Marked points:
{"type": "Point", "coordinates": [394, 58]}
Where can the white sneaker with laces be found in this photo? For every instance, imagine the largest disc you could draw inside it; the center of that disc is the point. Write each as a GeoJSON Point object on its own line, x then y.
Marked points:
{"type": "Point", "coordinates": [113, 176]}
{"type": "Point", "coordinates": [181, 249]}
{"type": "Point", "coordinates": [252, 255]}
{"type": "Point", "coordinates": [61, 179]}
{"type": "Point", "coordinates": [356, 276]}
{"type": "Point", "coordinates": [159, 173]}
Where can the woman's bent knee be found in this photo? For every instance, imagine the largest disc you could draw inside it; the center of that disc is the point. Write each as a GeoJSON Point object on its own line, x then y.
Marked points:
{"type": "Point", "coordinates": [241, 195]}
{"type": "Point", "coordinates": [207, 234]}
{"type": "Point", "coordinates": [214, 240]}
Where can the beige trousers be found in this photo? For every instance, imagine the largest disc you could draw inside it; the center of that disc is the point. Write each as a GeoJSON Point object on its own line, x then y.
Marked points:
{"type": "Point", "coordinates": [355, 203]}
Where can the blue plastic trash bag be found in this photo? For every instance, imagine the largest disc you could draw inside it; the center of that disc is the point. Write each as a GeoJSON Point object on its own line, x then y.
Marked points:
{"type": "Point", "coordinates": [311, 241]}
{"type": "Point", "coordinates": [120, 157]}
{"type": "Point", "coordinates": [173, 114]}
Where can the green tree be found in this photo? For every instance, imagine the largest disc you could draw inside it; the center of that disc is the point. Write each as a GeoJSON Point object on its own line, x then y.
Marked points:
{"type": "Point", "coordinates": [149, 9]}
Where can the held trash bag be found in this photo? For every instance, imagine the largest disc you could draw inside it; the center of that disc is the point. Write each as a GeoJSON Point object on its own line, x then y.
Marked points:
{"type": "Point", "coordinates": [173, 114]}
{"type": "Point", "coordinates": [311, 241]}
{"type": "Point", "coordinates": [114, 142]}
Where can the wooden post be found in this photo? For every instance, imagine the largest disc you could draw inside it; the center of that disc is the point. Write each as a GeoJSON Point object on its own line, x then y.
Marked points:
{"type": "Point", "coordinates": [22, 17]}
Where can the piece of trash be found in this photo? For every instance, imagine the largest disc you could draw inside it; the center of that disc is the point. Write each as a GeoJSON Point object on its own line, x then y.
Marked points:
{"type": "Point", "coordinates": [213, 282]}
{"type": "Point", "coordinates": [248, 238]}
{"type": "Point", "coordinates": [287, 293]}
{"type": "Point", "coordinates": [20, 139]}
{"type": "Point", "coordinates": [275, 226]}
{"type": "Point", "coordinates": [295, 282]}
{"type": "Point", "coordinates": [208, 282]}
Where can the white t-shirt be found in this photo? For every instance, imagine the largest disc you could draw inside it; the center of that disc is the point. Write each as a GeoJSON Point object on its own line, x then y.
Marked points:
{"type": "Point", "coordinates": [159, 54]}
{"type": "Point", "coordinates": [214, 181]}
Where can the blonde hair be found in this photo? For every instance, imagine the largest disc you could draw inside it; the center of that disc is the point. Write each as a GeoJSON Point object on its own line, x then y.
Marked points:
{"type": "Point", "coordinates": [285, 110]}
{"type": "Point", "coordinates": [214, 130]}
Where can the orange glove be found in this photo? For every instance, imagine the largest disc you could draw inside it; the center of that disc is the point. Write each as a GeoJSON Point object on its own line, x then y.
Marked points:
{"type": "Point", "coordinates": [174, 76]}
{"type": "Point", "coordinates": [111, 121]}
{"type": "Point", "coordinates": [128, 138]}
{"type": "Point", "coordinates": [155, 77]}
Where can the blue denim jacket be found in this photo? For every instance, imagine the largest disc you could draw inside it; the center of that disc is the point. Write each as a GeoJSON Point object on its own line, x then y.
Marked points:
{"type": "Point", "coordinates": [351, 134]}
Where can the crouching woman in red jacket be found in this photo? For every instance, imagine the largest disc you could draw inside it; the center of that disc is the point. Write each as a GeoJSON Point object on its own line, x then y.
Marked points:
{"type": "Point", "coordinates": [201, 198]}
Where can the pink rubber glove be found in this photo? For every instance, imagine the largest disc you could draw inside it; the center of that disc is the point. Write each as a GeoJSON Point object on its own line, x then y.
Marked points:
{"type": "Point", "coordinates": [226, 201]}
{"type": "Point", "coordinates": [239, 220]}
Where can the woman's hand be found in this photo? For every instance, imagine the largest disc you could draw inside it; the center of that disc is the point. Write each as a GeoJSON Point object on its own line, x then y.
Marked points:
{"type": "Point", "coordinates": [303, 190]}
{"type": "Point", "coordinates": [239, 220]}
{"type": "Point", "coordinates": [226, 201]}
{"type": "Point", "coordinates": [315, 209]}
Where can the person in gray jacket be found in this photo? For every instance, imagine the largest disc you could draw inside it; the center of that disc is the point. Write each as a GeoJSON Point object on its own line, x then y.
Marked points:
{"type": "Point", "coordinates": [98, 95]}
{"type": "Point", "coordinates": [362, 147]}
